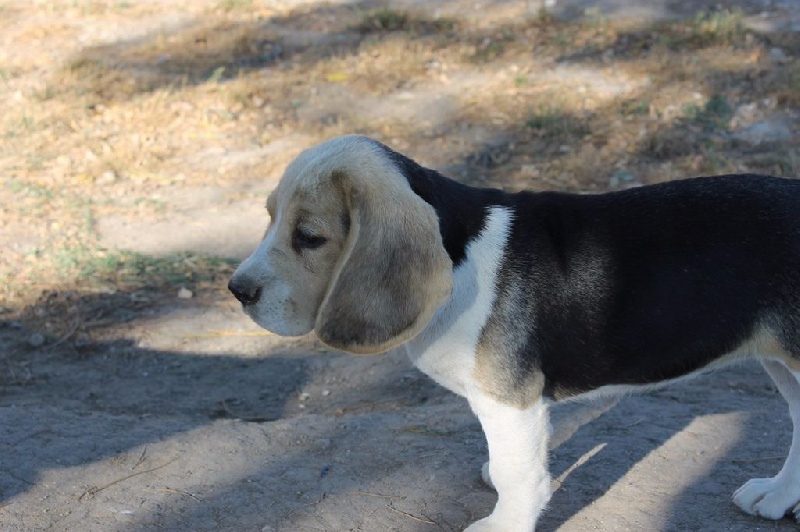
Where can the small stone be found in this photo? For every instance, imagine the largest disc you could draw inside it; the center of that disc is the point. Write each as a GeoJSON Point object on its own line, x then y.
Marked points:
{"type": "Point", "coordinates": [36, 340]}
{"type": "Point", "coordinates": [305, 396]}
{"type": "Point", "coordinates": [185, 293]}
{"type": "Point", "coordinates": [106, 178]}
{"type": "Point", "coordinates": [777, 55]}
{"type": "Point", "coordinates": [326, 393]}
{"type": "Point", "coordinates": [744, 115]}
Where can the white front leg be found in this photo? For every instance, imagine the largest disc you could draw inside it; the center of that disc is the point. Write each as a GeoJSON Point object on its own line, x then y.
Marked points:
{"type": "Point", "coordinates": [517, 441]}
{"type": "Point", "coordinates": [775, 497]}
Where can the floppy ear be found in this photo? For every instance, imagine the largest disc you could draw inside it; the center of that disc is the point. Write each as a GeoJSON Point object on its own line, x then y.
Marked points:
{"type": "Point", "coordinates": [393, 273]}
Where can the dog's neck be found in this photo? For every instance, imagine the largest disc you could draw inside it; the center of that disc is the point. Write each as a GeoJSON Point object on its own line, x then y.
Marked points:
{"type": "Point", "coordinates": [462, 210]}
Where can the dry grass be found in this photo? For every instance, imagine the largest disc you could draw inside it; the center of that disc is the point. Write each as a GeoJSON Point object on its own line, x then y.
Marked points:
{"type": "Point", "coordinates": [99, 128]}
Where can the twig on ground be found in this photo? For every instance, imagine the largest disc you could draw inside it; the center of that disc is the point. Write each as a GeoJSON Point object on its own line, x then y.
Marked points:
{"type": "Point", "coordinates": [414, 517]}
{"type": "Point", "coordinates": [65, 337]}
{"type": "Point", "coordinates": [180, 492]}
{"type": "Point", "coordinates": [95, 490]}
{"type": "Point", "coordinates": [582, 460]}
{"type": "Point", "coordinates": [369, 494]}
{"type": "Point", "coordinates": [141, 459]}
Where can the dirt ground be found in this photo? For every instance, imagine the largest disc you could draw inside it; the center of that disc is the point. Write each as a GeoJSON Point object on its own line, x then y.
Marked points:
{"type": "Point", "coordinates": [139, 141]}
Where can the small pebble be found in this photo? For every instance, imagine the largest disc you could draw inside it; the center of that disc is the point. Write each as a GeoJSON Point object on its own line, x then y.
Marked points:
{"type": "Point", "coordinates": [776, 55]}
{"type": "Point", "coordinates": [106, 178]}
{"type": "Point", "coordinates": [36, 340]}
{"type": "Point", "coordinates": [185, 293]}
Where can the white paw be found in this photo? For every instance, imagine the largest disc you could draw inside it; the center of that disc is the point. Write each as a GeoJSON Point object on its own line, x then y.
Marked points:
{"type": "Point", "coordinates": [487, 478]}
{"type": "Point", "coordinates": [505, 520]}
{"type": "Point", "coordinates": [771, 498]}
{"type": "Point", "coordinates": [499, 524]}
{"type": "Point", "coordinates": [487, 524]}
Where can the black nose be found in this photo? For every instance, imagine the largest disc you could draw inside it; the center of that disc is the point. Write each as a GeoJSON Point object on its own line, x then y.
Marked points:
{"type": "Point", "coordinates": [245, 292]}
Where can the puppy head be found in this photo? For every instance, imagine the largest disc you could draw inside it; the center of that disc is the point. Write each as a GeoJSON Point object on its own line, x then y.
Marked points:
{"type": "Point", "coordinates": [351, 252]}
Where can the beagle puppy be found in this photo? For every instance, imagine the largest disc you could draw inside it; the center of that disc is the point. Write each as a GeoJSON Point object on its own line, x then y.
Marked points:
{"type": "Point", "coordinates": [518, 300]}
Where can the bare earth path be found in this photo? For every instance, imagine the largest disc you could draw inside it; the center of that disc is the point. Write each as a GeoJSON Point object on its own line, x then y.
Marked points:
{"type": "Point", "coordinates": [140, 140]}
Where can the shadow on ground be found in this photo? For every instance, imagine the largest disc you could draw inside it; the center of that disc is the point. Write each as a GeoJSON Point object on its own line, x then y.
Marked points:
{"type": "Point", "coordinates": [115, 435]}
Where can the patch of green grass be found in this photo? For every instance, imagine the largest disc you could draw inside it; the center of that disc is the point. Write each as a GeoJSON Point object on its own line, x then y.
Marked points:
{"type": "Point", "coordinates": [235, 5]}
{"type": "Point", "coordinates": [216, 75]}
{"type": "Point", "coordinates": [551, 122]}
{"type": "Point", "coordinates": [47, 93]}
{"type": "Point", "coordinates": [131, 270]}
{"type": "Point", "coordinates": [490, 50]}
{"type": "Point", "coordinates": [156, 205]}
{"type": "Point", "coordinates": [707, 29]}
{"type": "Point", "coordinates": [634, 107]}
{"type": "Point", "coordinates": [31, 190]}
{"type": "Point", "coordinates": [544, 117]}
{"type": "Point", "coordinates": [542, 15]}
{"type": "Point", "coordinates": [19, 126]}
{"type": "Point", "coordinates": [71, 258]}
{"type": "Point", "coordinates": [27, 122]}
{"type": "Point", "coordinates": [387, 20]}
{"type": "Point", "coordinates": [713, 163]}
{"type": "Point", "coordinates": [384, 19]}
{"type": "Point", "coordinates": [720, 27]}
{"type": "Point", "coordinates": [595, 18]}
{"type": "Point", "coordinates": [715, 114]}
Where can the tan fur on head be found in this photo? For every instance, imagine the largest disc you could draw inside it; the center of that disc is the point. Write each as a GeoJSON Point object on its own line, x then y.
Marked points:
{"type": "Point", "coordinates": [383, 271]}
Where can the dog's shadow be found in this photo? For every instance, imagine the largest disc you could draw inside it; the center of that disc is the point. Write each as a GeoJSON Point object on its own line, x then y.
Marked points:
{"type": "Point", "coordinates": [668, 459]}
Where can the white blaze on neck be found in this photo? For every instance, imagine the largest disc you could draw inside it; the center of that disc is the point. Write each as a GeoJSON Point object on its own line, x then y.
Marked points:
{"type": "Point", "coordinates": [445, 349]}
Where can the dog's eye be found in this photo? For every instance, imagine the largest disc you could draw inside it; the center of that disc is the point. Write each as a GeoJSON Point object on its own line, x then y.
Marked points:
{"type": "Point", "coordinates": [304, 240]}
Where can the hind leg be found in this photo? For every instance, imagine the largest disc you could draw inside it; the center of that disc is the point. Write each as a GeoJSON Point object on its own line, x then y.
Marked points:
{"type": "Point", "coordinates": [774, 497]}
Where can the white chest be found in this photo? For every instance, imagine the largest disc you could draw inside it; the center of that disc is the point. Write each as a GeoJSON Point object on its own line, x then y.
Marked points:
{"type": "Point", "coordinates": [445, 350]}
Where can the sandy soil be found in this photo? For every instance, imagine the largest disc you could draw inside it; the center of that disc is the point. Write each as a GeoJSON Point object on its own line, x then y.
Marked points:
{"type": "Point", "coordinates": [177, 413]}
